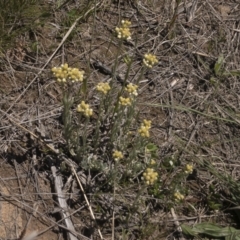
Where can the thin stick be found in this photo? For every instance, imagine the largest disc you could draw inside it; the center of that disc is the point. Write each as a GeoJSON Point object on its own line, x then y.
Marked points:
{"type": "Point", "coordinates": [176, 222]}
{"type": "Point", "coordinates": [113, 217]}
{"type": "Point", "coordinates": [86, 199]}
{"type": "Point", "coordinates": [63, 204]}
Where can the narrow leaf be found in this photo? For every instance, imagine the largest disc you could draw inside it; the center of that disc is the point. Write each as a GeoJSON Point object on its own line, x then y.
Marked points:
{"type": "Point", "coordinates": [218, 65]}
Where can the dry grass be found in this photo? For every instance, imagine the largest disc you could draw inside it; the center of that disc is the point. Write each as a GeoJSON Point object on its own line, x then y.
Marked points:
{"type": "Point", "coordinates": [191, 96]}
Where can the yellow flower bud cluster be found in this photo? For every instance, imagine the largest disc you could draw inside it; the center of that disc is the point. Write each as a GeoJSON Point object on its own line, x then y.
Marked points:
{"type": "Point", "coordinates": [152, 162]}
{"type": "Point", "coordinates": [132, 89]}
{"type": "Point", "coordinates": [123, 31]}
{"type": "Point", "coordinates": [103, 87]}
{"type": "Point", "coordinates": [124, 101]}
{"type": "Point", "coordinates": [188, 169]}
{"type": "Point", "coordinates": [178, 196]}
{"type": "Point", "coordinates": [150, 176]}
{"type": "Point", "coordinates": [149, 60]}
{"type": "Point", "coordinates": [144, 128]}
{"type": "Point", "coordinates": [85, 109]}
{"type": "Point", "coordinates": [126, 23]}
{"type": "Point", "coordinates": [117, 155]}
{"type": "Point", "coordinates": [75, 75]}
{"type": "Point", "coordinates": [65, 73]}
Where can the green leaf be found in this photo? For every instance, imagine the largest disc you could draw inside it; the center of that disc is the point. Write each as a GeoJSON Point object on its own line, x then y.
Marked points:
{"type": "Point", "coordinates": [232, 73]}
{"type": "Point", "coordinates": [151, 147]}
{"type": "Point", "coordinates": [212, 230]}
{"type": "Point", "coordinates": [218, 65]}
{"type": "Point", "coordinates": [233, 236]}
{"type": "Point", "coordinates": [187, 230]}
{"type": "Point", "coordinates": [213, 80]}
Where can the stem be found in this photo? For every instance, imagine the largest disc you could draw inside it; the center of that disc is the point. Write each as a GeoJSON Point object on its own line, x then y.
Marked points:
{"type": "Point", "coordinates": [99, 119]}
{"type": "Point", "coordinates": [67, 118]}
{"type": "Point", "coordinates": [85, 136]}
{"type": "Point", "coordinates": [116, 124]}
{"type": "Point", "coordinates": [141, 74]}
{"type": "Point", "coordinates": [116, 60]}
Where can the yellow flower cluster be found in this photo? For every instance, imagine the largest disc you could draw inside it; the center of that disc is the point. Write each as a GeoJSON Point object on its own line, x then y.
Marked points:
{"type": "Point", "coordinates": [152, 162]}
{"type": "Point", "coordinates": [123, 31]}
{"type": "Point", "coordinates": [117, 155]}
{"type": "Point", "coordinates": [75, 75]}
{"type": "Point", "coordinates": [126, 23]}
{"type": "Point", "coordinates": [178, 196]}
{"type": "Point", "coordinates": [132, 89]}
{"type": "Point", "coordinates": [188, 169]}
{"type": "Point", "coordinates": [65, 73]}
{"type": "Point", "coordinates": [150, 176]}
{"type": "Point", "coordinates": [144, 128]}
{"type": "Point", "coordinates": [124, 101]}
{"type": "Point", "coordinates": [85, 109]}
{"type": "Point", "coordinates": [103, 87]}
{"type": "Point", "coordinates": [149, 60]}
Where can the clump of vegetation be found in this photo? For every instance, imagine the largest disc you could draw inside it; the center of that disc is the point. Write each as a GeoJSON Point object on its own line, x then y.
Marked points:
{"type": "Point", "coordinates": [159, 134]}
{"type": "Point", "coordinates": [107, 137]}
{"type": "Point", "coordinates": [124, 145]}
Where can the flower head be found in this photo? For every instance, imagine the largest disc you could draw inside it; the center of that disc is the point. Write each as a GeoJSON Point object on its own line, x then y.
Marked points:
{"type": "Point", "coordinates": [126, 23]}
{"type": "Point", "coordinates": [188, 169]}
{"type": "Point", "coordinates": [144, 132]}
{"type": "Point", "coordinates": [75, 75]}
{"type": "Point", "coordinates": [65, 73]}
{"type": "Point", "coordinates": [150, 176]}
{"type": "Point", "coordinates": [152, 162]}
{"type": "Point", "coordinates": [144, 128]}
{"type": "Point", "coordinates": [124, 101]}
{"type": "Point", "coordinates": [149, 60]}
{"type": "Point", "coordinates": [85, 109]}
{"type": "Point", "coordinates": [117, 155]}
{"type": "Point", "coordinates": [123, 31]}
{"type": "Point", "coordinates": [147, 123]}
{"type": "Point", "coordinates": [132, 89]}
{"type": "Point", "coordinates": [61, 73]}
{"type": "Point", "coordinates": [178, 196]}
{"type": "Point", "coordinates": [103, 87]}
